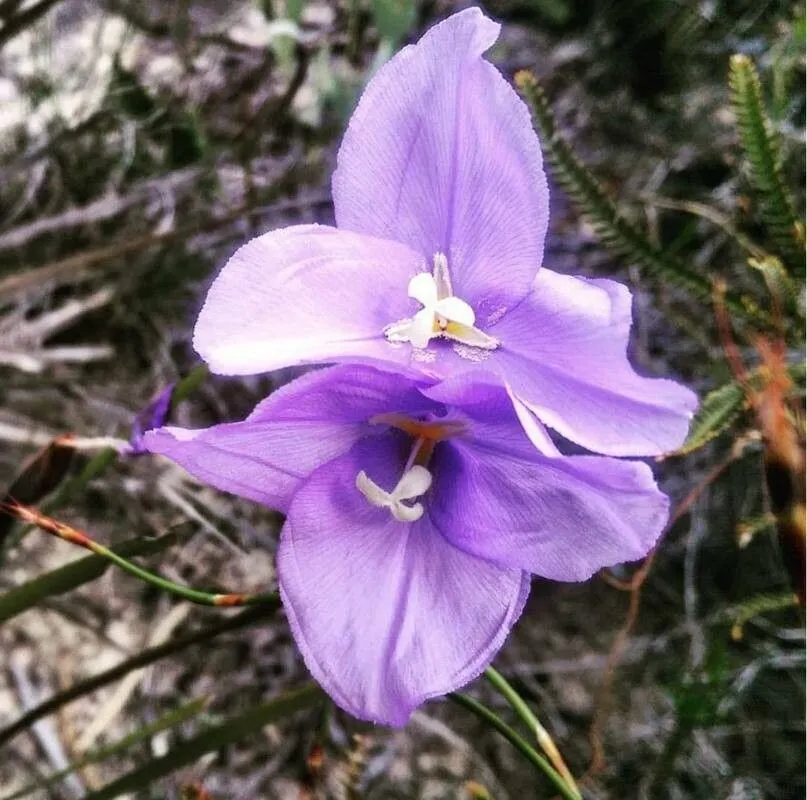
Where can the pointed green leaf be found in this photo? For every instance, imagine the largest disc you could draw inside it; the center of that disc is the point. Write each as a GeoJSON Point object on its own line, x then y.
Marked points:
{"type": "Point", "coordinates": [716, 414]}
{"type": "Point", "coordinates": [763, 151]}
{"type": "Point", "coordinates": [721, 407]}
{"type": "Point", "coordinates": [394, 18]}
{"type": "Point", "coordinates": [214, 738]}
{"type": "Point", "coordinates": [71, 576]}
{"type": "Point", "coordinates": [166, 722]}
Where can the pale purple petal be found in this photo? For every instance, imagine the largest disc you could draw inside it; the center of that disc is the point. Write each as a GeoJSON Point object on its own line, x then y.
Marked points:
{"type": "Point", "coordinates": [562, 518]}
{"type": "Point", "coordinates": [306, 294]}
{"type": "Point", "coordinates": [295, 430]}
{"type": "Point", "coordinates": [386, 614]}
{"type": "Point", "coordinates": [441, 155]}
{"type": "Point", "coordinates": [564, 356]}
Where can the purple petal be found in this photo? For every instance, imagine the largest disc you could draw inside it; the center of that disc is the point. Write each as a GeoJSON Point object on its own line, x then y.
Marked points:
{"type": "Point", "coordinates": [561, 518]}
{"type": "Point", "coordinates": [564, 356]}
{"type": "Point", "coordinates": [291, 433]}
{"type": "Point", "coordinates": [305, 294]}
{"type": "Point", "coordinates": [386, 614]}
{"type": "Point", "coordinates": [441, 155]}
{"type": "Point", "coordinates": [152, 416]}
{"type": "Point", "coordinates": [500, 420]}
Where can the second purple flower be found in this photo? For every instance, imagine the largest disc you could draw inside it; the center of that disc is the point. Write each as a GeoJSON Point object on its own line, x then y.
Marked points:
{"type": "Point", "coordinates": [416, 515]}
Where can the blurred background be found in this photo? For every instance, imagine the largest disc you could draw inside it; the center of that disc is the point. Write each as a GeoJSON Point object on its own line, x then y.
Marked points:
{"type": "Point", "coordinates": [140, 144]}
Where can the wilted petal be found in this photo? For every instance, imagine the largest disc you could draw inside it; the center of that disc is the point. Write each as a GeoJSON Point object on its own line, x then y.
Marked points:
{"type": "Point", "coordinates": [152, 416]}
{"type": "Point", "coordinates": [386, 614]}
{"type": "Point", "coordinates": [288, 435]}
{"type": "Point", "coordinates": [564, 356]}
{"type": "Point", "coordinates": [440, 154]}
{"type": "Point", "coordinates": [305, 294]}
{"type": "Point", "coordinates": [562, 518]}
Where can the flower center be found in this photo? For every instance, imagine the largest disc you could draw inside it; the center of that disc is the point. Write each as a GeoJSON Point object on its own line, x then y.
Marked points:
{"type": "Point", "coordinates": [443, 314]}
{"type": "Point", "coordinates": [416, 479]}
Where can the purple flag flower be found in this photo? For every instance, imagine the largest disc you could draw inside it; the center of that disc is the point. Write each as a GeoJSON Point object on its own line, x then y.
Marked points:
{"type": "Point", "coordinates": [415, 516]}
{"type": "Point", "coordinates": [441, 207]}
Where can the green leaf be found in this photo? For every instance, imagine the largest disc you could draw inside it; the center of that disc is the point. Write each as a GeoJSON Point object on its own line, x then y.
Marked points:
{"type": "Point", "coordinates": [394, 18]}
{"type": "Point", "coordinates": [716, 414]}
{"type": "Point", "coordinates": [613, 229]}
{"type": "Point", "coordinates": [763, 151]}
{"type": "Point", "coordinates": [721, 407]}
{"type": "Point", "coordinates": [189, 384]}
{"type": "Point", "coordinates": [294, 9]}
{"type": "Point", "coordinates": [166, 722]}
{"type": "Point", "coordinates": [214, 738]}
{"type": "Point", "coordinates": [71, 576]}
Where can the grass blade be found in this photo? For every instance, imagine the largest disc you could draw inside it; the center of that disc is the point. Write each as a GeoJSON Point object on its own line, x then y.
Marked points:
{"type": "Point", "coordinates": [71, 576]}
{"type": "Point", "coordinates": [214, 738]}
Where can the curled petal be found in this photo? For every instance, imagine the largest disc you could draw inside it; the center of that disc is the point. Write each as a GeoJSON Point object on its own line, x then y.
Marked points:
{"type": "Point", "coordinates": [562, 518]}
{"type": "Point", "coordinates": [386, 614]}
{"type": "Point", "coordinates": [305, 294]}
{"type": "Point", "coordinates": [441, 155]}
{"type": "Point", "coordinates": [295, 430]}
{"type": "Point", "coordinates": [564, 356]}
{"type": "Point", "coordinates": [152, 416]}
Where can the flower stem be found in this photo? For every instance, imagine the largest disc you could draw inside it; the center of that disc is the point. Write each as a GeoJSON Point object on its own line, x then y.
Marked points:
{"type": "Point", "coordinates": [74, 536]}
{"type": "Point", "coordinates": [532, 755]}
{"type": "Point", "coordinates": [500, 683]}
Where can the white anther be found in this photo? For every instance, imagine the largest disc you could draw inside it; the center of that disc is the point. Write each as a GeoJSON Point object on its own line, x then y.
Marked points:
{"type": "Point", "coordinates": [415, 482]}
{"type": "Point", "coordinates": [442, 314]}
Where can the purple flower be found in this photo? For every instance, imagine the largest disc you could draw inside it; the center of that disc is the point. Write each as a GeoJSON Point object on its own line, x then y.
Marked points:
{"type": "Point", "coordinates": [415, 515]}
{"type": "Point", "coordinates": [441, 206]}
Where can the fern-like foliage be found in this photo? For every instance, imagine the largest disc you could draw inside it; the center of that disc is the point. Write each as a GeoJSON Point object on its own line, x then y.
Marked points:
{"type": "Point", "coordinates": [614, 230]}
{"type": "Point", "coordinates": [763, 151]}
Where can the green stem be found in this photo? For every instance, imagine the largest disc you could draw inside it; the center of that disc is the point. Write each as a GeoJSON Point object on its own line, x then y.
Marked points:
{"type": "Point", "coordinates": [532, 755]}
{"type": "Point", "coordinates": [186, 593]}
{"type": "Point", "coordinates": [74, 536]}
{"type": "Point", "coordinates": [500, 683]}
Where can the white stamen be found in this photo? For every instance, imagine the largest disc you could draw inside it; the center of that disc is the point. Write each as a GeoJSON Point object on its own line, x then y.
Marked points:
{"type": "Point", "coordinates": [415, 482]}
{"type": "Point", "coordinates": [442, 278]}
{"type": "Point", "coordinates": [442, 314]}
{"type": "Point", "coordinates": [423, 288]}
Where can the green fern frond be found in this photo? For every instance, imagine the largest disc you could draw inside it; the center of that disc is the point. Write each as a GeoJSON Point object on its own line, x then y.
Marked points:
{"type": "Point", "coordinates": [615, 232]}
{"type": "Point", "coordinates": [763, 151]}
{"type": "Point", "coordinates": [717, 413]}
